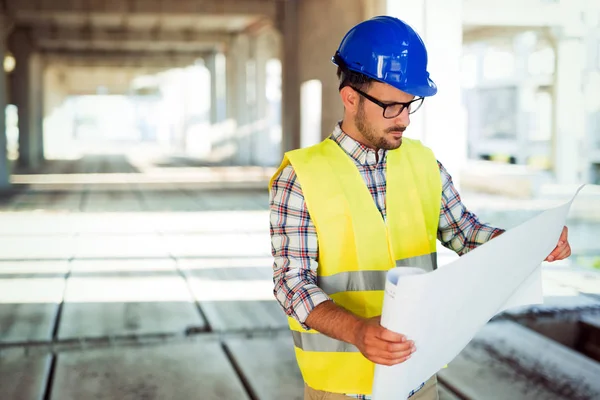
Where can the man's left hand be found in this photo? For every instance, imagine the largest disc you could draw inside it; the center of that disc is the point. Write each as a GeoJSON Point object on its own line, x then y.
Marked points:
{"type": "Point", "coordinates": [562, 249]}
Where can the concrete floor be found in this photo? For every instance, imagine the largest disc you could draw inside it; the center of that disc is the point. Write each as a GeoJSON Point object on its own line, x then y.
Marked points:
{"type": "Point", "coordinates": [153, 284]}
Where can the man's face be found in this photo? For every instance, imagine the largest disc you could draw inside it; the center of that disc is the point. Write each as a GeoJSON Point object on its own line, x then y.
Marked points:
{"type": "Point", "coordinates": [380, 132]}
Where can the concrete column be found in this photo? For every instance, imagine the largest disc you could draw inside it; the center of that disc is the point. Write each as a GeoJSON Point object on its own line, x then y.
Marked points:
{"type": "Point", "coordinates": [4, 166]}
{"type": "Point", "coordinates": [257, 137]}
{"type": "Point", "coordinates": [318, 43]}
{"type": "Point", "coordinates": [36, 93]}
{"type": "Point", "coordinates": [591, 171]}
{"type": "Point", "coordinates": [265, 148]}
{"type": "Point", "coordinates": [26, 87]}
{"type": "Point", "coordinates": [445, 127]}
{"type": "Point", "coordinates": [58, 121]}
{"type": "Point", "coordinates": [440, 123]}
{"type": "Point", "coordinates": [216, 65]}
{"type": "Point", "coordinates": [290, 79]}
{"type": "Point", "coordinates": [306, 51]}
{"type": "Point", "coordinates": [251, 130]}
{"type": "Point", "coordinates": [230, 84]}
{"type": "Point", "coordinates": [569, 108]}
{"type": "Point", "coordinates": [231, 99]}
{"type": "Point", "coordinates": [524, 45]}
{"type": "Point", "coordinates": [239, 98]}
{"type": "Point", "coordinates": [591, 80]}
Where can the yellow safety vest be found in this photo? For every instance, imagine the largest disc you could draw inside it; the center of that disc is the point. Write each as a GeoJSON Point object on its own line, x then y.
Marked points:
{"type": "Point", "coordinates": [357, 247]}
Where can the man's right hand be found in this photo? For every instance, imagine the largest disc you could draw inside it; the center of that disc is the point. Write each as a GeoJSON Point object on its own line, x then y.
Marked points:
{"type": "Point", "coordinates": [381, 345]}
{"type": "Point", "coordinates": [378, 344]}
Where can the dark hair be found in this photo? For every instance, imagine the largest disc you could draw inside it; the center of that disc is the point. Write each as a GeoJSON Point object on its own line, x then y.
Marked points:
{"type": "Point", "coordinates": [354, 79]}
{"type": "Point", "coordinates": [351, 78]}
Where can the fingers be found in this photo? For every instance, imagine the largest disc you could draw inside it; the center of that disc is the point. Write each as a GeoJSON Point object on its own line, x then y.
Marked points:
{"type": "Point", "coordinates": [398, 347]}
{"type": "Point", "coordinates": [565, 253]}
{"type": "Point", "coordinates": [564, 234]}
{"type": "Point", "coordinates": [383, 346]}
{"type": "Point", "coordinates": [562, 249]}
{"type": "Point", "coordinates": [560, 252]}
{"type": "Point", "coordinates": [394, 349]}
{"type": "Point", "coordinates": [383, 361]}
{"type": "Point", "coordinates": [552, 257]}
{"type": "Point", "coordinates": [400, 344]}
{"type": "Point", "coordinates": [385, 357]}
{"type": "Point", "coordinates": [390, 336]}
{"type": "Point", "coordinates": [385, 352]}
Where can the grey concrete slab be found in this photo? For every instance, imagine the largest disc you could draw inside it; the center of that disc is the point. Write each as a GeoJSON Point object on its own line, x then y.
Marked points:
{"type": "Point", "coordinates": [15, 223]}
{"type": "Point", "coordinates": [588, 338]}
{"type": "Point", "coordinates": [34, 269]}
{"type": "Point", "coordinates": [120, 246]}
{"type": "Point", "coordinates": [262, 199]}
{"type": "Point", "coordinates": [127, 304]}
{"type": "Point", "coordinates": [475, 374]}
{"type": "Point", "coordinates": [269, 366]}
{"type": "Point", "coordinates": [30, 247]}
{"type": "Point", "coordinates": [9, 205]}
{"type": "Point", "coordinates": [81, 268]}
{"type": "Point", "coordinates": [213, 221]}
{"type": "Point", "coordinates": [216, 244]}
{"type": "Point", "coordinates": [555, 305]}
{"type": "Point", "coordinates": [275, 374]}
{"type": "Point", "coordinates": [113, 223]}
{"type": "Point", "coordinates": [558, 318]}
{"type": "Point", "coordinates": [247, 315]}
{"type": "Point", "coordinates": [584, 280]}
{"type": "Point", "coordinates": [175, 372]}
{"type": "Point", "coordinates": [593, 296]}
{"type": "Point", "coordinates": [191, 265]}
{"type": "Point", "coordinates": [28, 308]}
{"type": "Point", "coordinates": [552, 288]}
{"type": "Point", "coordinates": [445, 393]}
{"type": "Point", "coordinates": [23, 377]}
{"type": "Point", "coordinates": [261, 240]}
{"type": "Point", "coordinates": [49, 200]}
{"type": "Point", "coordinates": [114, 200]}
{"type": "Point", "coordinates": [171, 200]}
{"type": "Point", "coordinates": [228, 200]}
{"type": "Point", "coordinates": [236, 199]}
{"type": "Point", "coordinates": [237, 298]}
{"type": "Point", "coordinates": [27, 322]}
{"type": "Point", "coordinates": [508, 361]}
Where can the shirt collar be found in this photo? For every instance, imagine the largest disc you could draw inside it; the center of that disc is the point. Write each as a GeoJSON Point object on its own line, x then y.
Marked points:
{"type": "Point", "coordinates": [358, 151]}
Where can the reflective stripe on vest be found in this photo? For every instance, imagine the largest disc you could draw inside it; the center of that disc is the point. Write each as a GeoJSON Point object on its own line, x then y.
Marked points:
{"type": "Point", "coordinates": [352, 281]}
{"type": "Point", "coordinates": [428, 262]}
{"type": "Point", "coordinates": [319, 342]}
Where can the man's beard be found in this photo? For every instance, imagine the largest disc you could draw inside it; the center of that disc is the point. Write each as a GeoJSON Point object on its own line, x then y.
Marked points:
{"type": "Point", "coordinates": [369, 133]}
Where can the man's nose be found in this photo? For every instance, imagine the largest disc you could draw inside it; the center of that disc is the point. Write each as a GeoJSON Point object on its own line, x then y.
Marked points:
{"type": "Point", "coordinates": [403, 118]}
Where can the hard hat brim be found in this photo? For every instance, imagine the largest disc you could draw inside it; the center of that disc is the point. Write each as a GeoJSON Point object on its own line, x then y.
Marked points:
{"type": "Point", "coordinates": [420, 87]}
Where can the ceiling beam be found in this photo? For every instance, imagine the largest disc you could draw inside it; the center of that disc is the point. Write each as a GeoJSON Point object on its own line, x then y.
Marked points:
{"type": "Point", "coordinates": [121, 59]}
{"type": "Point", "coordinates": [32, 9]}
{"type": "Point", "coordinates": [128, 46]}
{"type": "Point", "coordinates": [123, 40]}
{"type": "Point", "coordinates": [514, 13]}
{"type": "Point", "coordinates": [122, 35]}
{"type": "Point", "coordinates": [486, 33]}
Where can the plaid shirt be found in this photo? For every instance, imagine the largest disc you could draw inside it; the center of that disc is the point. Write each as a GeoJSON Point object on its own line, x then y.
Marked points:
{"type": "Point", "coordinates": [294, 243]}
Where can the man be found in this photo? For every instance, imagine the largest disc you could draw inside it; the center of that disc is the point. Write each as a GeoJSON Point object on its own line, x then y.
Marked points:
{"type": "Point", "coordinates": [363, 201]}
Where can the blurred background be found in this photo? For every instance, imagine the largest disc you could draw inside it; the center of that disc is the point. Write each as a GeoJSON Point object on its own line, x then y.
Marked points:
{"type": "Point", "coordinates": [139, 138]}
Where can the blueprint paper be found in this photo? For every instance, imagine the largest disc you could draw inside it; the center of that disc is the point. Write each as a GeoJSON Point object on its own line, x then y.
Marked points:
{"type": "Point", "coordinates": [442, 310]}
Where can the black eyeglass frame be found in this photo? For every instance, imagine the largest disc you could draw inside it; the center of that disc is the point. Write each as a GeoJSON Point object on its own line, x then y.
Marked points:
{"type": "Point", "coordinates": [386, 105]}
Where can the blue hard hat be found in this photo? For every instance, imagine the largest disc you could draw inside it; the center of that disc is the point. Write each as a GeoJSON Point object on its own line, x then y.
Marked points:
{"type": "Point", "coordinates": [388, 50]}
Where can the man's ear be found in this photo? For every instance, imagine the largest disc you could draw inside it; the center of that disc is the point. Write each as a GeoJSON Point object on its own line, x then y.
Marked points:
{"type": "Point", "coordinates": [350, 98]}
